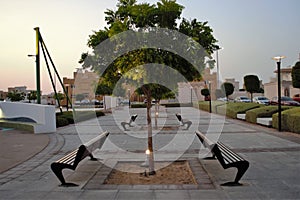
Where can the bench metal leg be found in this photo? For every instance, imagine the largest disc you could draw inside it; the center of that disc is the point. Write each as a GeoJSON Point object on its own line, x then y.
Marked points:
{"type": "Point", "coordinates": [123, 125]}
{"type": "Point", "coordinates": [189, 123]}
{"type": "Point", "coordinates": [242, 167]}
{"type": "Point", "coordinates": [57, 170]}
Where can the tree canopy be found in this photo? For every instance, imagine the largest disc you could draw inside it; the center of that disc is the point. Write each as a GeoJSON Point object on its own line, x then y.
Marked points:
{"type": "Point", "coordinates": [252, 84]}
{"type": "Point", "coordinates": [151, 47]}
{"type": "Point", "coordinates": [296, 75]}
{"type": "Point", "coordinates": [228, 89]}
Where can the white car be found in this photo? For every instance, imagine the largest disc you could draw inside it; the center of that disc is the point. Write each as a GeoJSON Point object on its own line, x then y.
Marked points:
{"type": "Point", "coordinates": [261, 100]}
{"type": "Point", "coordinates": [242, 99]}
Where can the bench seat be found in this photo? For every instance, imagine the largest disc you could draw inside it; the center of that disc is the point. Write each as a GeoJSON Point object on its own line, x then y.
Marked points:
{"type": "Point", "coordinates": [226, 157]}
{"type": "Point", "coordinates": [72, 159]}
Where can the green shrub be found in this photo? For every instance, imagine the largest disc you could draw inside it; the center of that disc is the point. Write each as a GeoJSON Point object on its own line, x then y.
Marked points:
{"type": "Point", "coordinates": [289, 117]}
{"type": "Point", "coordinates": [169, 105]}
{"type": "Point", "coordinates": [140, 105]}
{"type": "Point", "coordinates": [231, 109]}
{"type": "Point", "coordinates": [66, 118]}
{"type": "Point", "coordinates": [265, 111]}
{"type": "Point", "coordinates": [294, 122]}
{"type": "Point", "coordinates": [204, 105]}
{"type": "Point", "coordinates": [61, 121]}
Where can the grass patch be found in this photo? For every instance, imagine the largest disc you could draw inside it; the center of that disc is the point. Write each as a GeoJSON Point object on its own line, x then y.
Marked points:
{"type": "Point", "coordinates": [204, 105]}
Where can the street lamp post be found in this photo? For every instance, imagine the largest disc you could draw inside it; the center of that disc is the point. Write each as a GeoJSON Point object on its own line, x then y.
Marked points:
{"type": "Point", "coordinates": [218, 69]}
{"type": "Point", "coordinates": [278, 61]}
{"type": "Point", "coordinates": [129, 98]}
{"type": "Point", "coordinates": [191, 96]}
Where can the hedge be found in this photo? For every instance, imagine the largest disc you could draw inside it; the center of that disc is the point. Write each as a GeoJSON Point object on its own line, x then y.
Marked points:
{"type": "Point", "coordinates": [204, 105]}
{"type": "Point", "coordinates": [231, 109]}
{"type": "Point", "coordinates": [66, 118]}
{"type": "Point", "coordinates": [140, 105]}
{"type": "Point", "coordinates": [290, 119]}
{"type": "Point", "coordinates": [265, 111]}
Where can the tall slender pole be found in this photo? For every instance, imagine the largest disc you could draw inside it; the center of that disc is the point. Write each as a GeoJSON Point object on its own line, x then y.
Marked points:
{"type": "Point", "coordinates": [279, 94]}
{"type": "Point", "coordinates": [217, 54]}
{"type": "Point", "coordinates": [38, 79]}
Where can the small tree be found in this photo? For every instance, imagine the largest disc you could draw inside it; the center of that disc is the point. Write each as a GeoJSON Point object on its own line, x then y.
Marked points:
{"type": "Point", "coordinates": [296, 75]}
{"type": "Point", "coordinates": [15, 96]}
{"type": "Point", "coordinates": [32, 96]}
{"type": "Point", "coordinates": [205, 93]}
{"type": "Point", "coordinates": [252, 84]}
{"type": "Point", "coordinates": [228, 89]}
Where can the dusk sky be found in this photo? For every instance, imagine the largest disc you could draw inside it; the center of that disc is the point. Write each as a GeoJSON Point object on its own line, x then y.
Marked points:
{"type": "Point", "coordinates": [250, 31]}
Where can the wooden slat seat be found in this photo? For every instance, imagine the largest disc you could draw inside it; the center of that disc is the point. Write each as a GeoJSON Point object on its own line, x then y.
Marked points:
{"type": "Point", "coordinates": [72, 159]}
{"type": "Point", "coordinates": [226, 157]}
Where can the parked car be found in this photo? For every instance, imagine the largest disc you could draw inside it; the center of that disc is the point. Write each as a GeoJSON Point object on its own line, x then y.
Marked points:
{"type": "Point", "coordinates": [261, 100]}
{"type": "Point", "coordinates": [287, 101]}
{"type": "Point", "coordinates": [296, 97]}
{"type": "Point", "coordinates": [242, 99]}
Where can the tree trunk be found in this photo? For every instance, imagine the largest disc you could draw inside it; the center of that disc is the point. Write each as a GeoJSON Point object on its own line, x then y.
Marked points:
{"type": "Point", "coordinates": [149, 125]}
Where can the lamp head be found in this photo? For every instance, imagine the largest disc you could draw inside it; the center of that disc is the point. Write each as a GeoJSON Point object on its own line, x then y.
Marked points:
{"type": "Point", "coordinates": [278, 58]}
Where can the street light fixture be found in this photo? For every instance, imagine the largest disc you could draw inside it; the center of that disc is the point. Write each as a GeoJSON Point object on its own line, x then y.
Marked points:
{"type": "Point", "coordinates": [278, 61]}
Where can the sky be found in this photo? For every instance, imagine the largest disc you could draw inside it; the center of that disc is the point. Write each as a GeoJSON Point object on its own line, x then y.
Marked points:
{"type": "Point", "coordinates": [250, 32]}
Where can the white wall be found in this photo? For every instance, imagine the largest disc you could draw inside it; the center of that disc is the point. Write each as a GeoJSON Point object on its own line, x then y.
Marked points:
{"type": "Point", "coordinates": [43, 115]}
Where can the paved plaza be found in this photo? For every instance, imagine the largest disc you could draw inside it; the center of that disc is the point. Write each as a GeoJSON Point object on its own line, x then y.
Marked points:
{"type": "Point", "coordinates": [274, 171]}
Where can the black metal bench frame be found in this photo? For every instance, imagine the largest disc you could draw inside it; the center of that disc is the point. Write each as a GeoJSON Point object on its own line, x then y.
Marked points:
{"type": "Point", "coordinates": [132, 119]}
{"type": "Point", "coordinates": [226, 157]}
{"type": "Point", "coordinates": [72, 159]}
{"type": "Point", "coordinates": [183, 121]}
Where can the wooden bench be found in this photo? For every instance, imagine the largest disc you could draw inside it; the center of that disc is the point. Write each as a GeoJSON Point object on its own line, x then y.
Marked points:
{"type": "Point", "coordinates": [226, 157]}
{"type": "Point", "coordinates": [72, 159]}
{"type": "Point", "coordinates": [183, 121]}
{"type": "Point", "coordinates": [132, 119]}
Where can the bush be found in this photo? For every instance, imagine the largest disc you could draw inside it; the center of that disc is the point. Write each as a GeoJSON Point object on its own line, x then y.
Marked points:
{"type": "Point", "coordinates": [66, 118]}
{"type": "Point", "coordinates": [61, 121]}
{"type": "Point", "coordinates": [266, 111]}
{"type": "Point", "coordinates": [204, 105]}
{"type": "Point", "coordinates": [140, 105]}
{"type": "Point", "coordinates": [289, 117]}
{"type": "Point", "coordinates": [169, 105]}
{"type": "Point", "coordinates": [231, 109]}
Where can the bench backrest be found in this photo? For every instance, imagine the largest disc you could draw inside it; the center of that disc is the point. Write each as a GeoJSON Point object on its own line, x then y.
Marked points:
{"type": "Point", "coordinates": [205, 141]}
{"type": "Point", "coordinates": [86, 149]}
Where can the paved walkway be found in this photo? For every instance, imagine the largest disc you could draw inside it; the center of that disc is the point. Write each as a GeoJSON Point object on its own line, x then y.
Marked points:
{"type": "Point", "coordinates": [273, 156]}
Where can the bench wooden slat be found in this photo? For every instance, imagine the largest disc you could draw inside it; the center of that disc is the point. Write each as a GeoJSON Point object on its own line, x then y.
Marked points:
{"type": "Point", "coordinates": [72, 159]}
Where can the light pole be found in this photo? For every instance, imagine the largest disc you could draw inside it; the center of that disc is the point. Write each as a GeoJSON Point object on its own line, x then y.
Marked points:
{"type": "Point", "coordinates": [191, 95]}
{"type": "Point", "coordinates": [218, 69]}
{"type": "Point", "coordinates": [129, 98]}
{"type": "Point", "coordinates": [278, 61]}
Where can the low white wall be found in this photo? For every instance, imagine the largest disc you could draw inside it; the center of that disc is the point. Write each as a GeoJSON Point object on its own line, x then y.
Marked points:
{"type": "Point", "coordinates": [43, 115]}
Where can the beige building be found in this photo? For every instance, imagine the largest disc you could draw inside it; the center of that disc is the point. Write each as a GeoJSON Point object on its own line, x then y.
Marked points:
{"type": "Point", "coordinates": [83, 82]}
{"type": "Point", "coordinates": [191, 91]}
{"type": "Point", "coordinates": [287, 89]}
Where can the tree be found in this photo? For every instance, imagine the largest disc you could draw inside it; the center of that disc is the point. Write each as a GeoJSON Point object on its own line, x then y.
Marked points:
{"type": "Point", "coordinates": [228, 89]}
{"type": "Point", "coordinates": [15, 96]}
{"type": "Point", "coordinates": [32, 96]}
{"type": "Point", "coordinates": [205, 92]}
{"type": "Point", "coordinates": [154, 20]}
{"type": "Point", "coordinates": [252, 84]}
{"type": "Point", "coordinates": [296, 75]}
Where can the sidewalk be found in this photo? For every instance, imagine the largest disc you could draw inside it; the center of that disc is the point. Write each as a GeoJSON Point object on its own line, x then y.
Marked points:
{"type": "Point", "coordinates": [273, 156]}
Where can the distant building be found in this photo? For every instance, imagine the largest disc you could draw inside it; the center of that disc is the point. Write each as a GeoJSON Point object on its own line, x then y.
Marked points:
{"type": "Point", "coordinates": [83, 82]}
{"type": "Point", "coordinates": [287, 89]}
{"type": "Point", "coordinates": [191, 91]}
